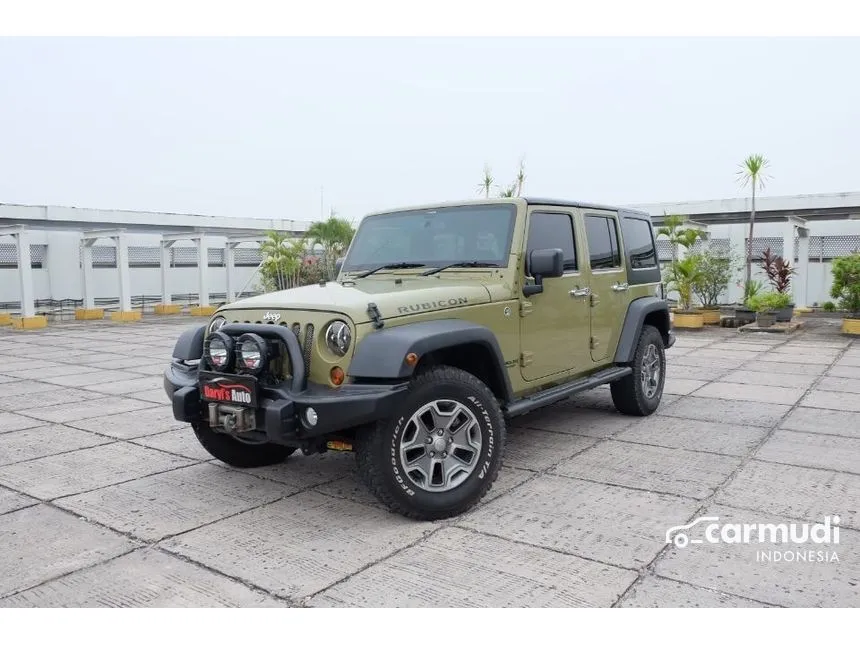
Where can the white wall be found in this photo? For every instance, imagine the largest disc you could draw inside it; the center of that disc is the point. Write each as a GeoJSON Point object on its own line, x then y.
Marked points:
{"type": "Point", "coordinates": [819, 277]}
{"type": "Point", "coordinates": [61, 276]}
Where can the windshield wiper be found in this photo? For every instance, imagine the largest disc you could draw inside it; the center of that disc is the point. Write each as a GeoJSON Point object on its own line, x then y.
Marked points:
{"type": "Point", "coordinates": [395, 265]}
{"type": "Point", "coordinates": [470, 265]}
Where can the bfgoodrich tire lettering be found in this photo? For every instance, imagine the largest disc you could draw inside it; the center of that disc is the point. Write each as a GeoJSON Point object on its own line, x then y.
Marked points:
{"type": "Point", "coordinates": [236, 453]}
{"type": "Point", "coordinates": [639, 393]}
{"type": "Point", "coordinates": [380, 457]}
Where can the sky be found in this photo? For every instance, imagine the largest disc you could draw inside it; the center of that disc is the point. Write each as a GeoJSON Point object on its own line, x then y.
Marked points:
{"type": "Point", "coordinates": [255, 127]}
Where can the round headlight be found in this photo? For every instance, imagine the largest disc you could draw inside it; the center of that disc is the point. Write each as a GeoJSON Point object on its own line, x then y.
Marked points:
{"type": "Point", "coordinates": [338, 337]}
{"type": "Point", "coordinates": [252, 353]}
{"type": "Point", "coordinates": [217, 323]}
{"type": "Point", "coordinates": [219, 351]}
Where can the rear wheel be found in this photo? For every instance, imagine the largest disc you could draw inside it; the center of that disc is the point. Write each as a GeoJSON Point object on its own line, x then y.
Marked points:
{"type": "Point", "coordinates": [440, 452]}
{"type": "Point", "coordinates": [238, 452]}
{"type": "Point", "coordinates": [639, 393]}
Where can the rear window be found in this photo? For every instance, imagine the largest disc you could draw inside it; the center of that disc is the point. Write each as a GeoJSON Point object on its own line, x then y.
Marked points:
{"type": "Point", "coordinates": [602, 242]}
{"type": "Point", "coordinates": [639, 241]}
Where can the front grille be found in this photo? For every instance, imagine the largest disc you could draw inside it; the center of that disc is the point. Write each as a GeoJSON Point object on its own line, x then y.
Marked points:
{"type": "Point", "coordinates": [306, 343]}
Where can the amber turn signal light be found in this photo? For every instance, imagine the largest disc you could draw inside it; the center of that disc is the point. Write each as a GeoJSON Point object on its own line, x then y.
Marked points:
{"type": "Point", "coordinates": [336, 375]}
{"type": "Point", "coordinates": [411, 359]}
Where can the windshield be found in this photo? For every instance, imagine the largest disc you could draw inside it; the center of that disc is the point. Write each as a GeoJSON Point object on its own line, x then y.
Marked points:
{"type": "Point", "coordinates": [434, 237]}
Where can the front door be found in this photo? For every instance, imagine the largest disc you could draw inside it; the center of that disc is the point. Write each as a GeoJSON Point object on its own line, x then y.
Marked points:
{"type": "Point", "coordinates": [553, 336]}
{"type": "Point", "coordinates": [607, 282]}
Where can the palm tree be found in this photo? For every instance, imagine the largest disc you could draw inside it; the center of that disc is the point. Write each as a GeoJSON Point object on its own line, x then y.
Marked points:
{"type": "Point", "coordinates": [282, 259]}
{"type": "Point", "coordinates": [334, 235]}
{"type": "Point", "coordinates": [487, 182]}
{"type": "Point", "coordinates": [521, 177]}
{"type": "Point", "coordinates": [673, 229]}
{"type": "Point", "coordinates": [752, 173]}
{"type": "Point", "coordinates": [514, 189]}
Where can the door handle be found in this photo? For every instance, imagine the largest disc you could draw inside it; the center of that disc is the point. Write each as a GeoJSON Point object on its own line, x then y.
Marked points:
{"type": "Point", "coordinates": [620, 286]}
{"type": "Point", "coordinates": [580, 293]}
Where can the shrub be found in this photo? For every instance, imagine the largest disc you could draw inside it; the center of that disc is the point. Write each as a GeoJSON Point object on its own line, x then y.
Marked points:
{"type": "Point", "coordinates": [769, 301]}
{"type": "Point", "coordinates": [751, 290]}
{"type": "Point", "coordinates": [846, 283]}
{"type": "Point", "coordinates": [684, 276]}
{"type": "Point", "coordinates": [828, 306]}
{"type": "Point", "coordinates": [778, 271]}
{"type": "Point", "coordinates": [715, 271]}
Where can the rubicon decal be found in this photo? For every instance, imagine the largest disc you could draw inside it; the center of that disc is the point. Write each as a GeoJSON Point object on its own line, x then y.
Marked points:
{"type": "Point", "coordinates": [227, 392]}
{"type": "Point", "coordinates": [434, 304]}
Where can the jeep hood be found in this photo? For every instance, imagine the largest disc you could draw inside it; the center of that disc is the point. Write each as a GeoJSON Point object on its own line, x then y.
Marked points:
{"type": "Point", "coordinates": [410, 296]}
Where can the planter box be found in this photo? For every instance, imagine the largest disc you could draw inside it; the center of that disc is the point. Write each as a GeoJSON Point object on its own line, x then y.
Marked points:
{"type": "Point", "coordinates": [851, 326]}
{"type": "Point", "coordinates": [688, 320]}
{"type": "Point", "coordinates": [744, 316]}
{"type": "Point", "coordinates": [785, 314]}
{"type": "Point", "coordinates": [710, 316]}
{"type": "Point", "coordinates": [766, 320]}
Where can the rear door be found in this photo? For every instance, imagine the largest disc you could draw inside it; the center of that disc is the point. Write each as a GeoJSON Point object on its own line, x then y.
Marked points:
{"type": "Point", "coordinates": [607, 281]}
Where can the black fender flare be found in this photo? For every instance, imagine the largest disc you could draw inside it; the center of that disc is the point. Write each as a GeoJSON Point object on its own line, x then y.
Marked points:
{"type": "Point", "coordinates": [637, 311]}
{"type": "Point", "coordinates": [381, 355]}
{"type": "Point", "coordinates": [189, 345]}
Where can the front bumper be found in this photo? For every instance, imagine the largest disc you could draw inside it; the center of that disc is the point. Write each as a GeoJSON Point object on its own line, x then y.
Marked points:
{"type": "Point", "coordinates": [281, 409]}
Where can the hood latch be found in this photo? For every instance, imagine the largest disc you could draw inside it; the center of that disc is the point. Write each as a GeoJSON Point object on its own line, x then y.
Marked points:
{"type": "Point", "coordinates": [375, 316]}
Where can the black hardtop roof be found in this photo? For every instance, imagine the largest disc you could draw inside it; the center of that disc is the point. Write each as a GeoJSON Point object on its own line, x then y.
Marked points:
{"type": "Point", "coordinates": [549, 201]}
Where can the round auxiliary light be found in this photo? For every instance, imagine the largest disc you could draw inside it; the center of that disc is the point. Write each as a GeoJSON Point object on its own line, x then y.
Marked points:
{"type": "Point", "coordinates": [219, 351]}
{"type": "Point", "coordinates": [217, 323]}
{"type": "Point", "coordinates": [252, 353]}
{"type": "Point", "coordinates": [311, 417]}
{"type": "Point", "coordinates": [338, 337]}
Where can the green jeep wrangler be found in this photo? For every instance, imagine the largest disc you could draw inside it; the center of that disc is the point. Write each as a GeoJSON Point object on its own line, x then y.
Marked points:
{"type": "Point", "coordinates": [444, 321]}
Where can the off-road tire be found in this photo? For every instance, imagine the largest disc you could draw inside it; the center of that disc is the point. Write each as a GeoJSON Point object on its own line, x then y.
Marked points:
{"type": "Point", "coordinates": [627, 393]}
{"type": "Point", "coordinates": [378, 456]}
{"type": "Point", "coordinates": [236, 453]}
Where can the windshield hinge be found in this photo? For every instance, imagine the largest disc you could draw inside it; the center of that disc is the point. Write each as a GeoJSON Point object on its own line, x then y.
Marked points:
{"type": "Point", "coordinates": [375, 316]}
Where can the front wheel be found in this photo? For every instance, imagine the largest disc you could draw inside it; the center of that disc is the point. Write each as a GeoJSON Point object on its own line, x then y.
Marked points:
{"type": "Point", "coordinates": [239, 453]}
{"type": "Point", "coordinates": [639, 393]}
{"type": "Point", "coordinates": [441, 451]}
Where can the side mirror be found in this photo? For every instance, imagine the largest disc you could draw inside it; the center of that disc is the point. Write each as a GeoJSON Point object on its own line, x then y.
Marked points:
{"type": "Point", "coordinates": [543, 263]}
{"type": "Point", "coordinates": [338, 265]}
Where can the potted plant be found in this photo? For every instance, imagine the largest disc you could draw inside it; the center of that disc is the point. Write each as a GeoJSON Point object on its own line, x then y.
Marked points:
{"type": "Point", "coordinates": [714, 274]}
{"type": "Point", "coordinates": [766, 305]}
{"type": "Point", "coordinates": [779, 272]}
{"type": "Point", "coordinates": [683, 276]}
{"type": "Point", "coordinates": [745, 314]}
{"type": "Point", "coordinates": [846, 287]}
{"type": "Point", "coordinates": [674, 229]}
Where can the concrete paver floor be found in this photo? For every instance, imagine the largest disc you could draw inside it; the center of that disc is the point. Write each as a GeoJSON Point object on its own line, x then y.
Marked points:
{"type": "Point", "coordinates": [106, 500]}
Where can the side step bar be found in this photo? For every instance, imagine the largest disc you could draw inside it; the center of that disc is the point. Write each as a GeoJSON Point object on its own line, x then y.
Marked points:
{"type": "Point", "coordinates": [561, 392]}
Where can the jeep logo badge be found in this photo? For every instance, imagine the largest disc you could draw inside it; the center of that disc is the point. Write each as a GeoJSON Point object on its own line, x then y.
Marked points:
{"type": "Point", "coordinates": [271, 315]}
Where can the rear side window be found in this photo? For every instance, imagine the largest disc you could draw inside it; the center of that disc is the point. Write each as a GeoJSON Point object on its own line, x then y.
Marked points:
{"type": "Point", "coordinates": [553, 231]}
{"type": "Point", "coordinates": [639, 241]}
{"type": "Point", "coordinates": [602, 242]}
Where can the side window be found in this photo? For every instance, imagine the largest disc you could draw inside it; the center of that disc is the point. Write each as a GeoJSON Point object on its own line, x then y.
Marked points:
{"type": "Point", "coordinates": [553, 231]}
{"type": "Point", "coordinates": [602, 242]}
{"type": "Point", "coordinates": [639, 240]}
